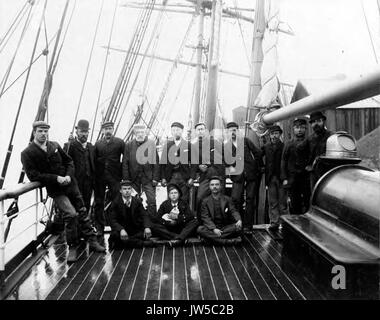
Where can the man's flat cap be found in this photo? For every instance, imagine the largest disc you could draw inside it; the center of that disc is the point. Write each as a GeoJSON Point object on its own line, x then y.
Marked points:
{"type": "Point", "coordinates": [139, 126]}
{"type": "Point", "coordinates": [275, 128]}
{"type": "Point", "coordinates": [316, 116]}
{"type": "Point", "coordinates": [40, 124]}
{"type": "Point", "coordinates": [216, 178]}
{"type": "Point", "coordinates": [177, 124]}
{"type": "Point", "coordinates": [199, 124]}
{"type": "Point", "coordinates": [232, 124]}
{"type": "Point", "coordinates": [107, 124]}
{"type": "Point", "coordinates": [126, 183]}
{"type": "Point", "coordinates": [299, 120]}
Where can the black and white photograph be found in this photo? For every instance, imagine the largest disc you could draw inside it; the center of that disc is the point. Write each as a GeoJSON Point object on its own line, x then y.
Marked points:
{"type": "Point", "coordinates": [195, 156]}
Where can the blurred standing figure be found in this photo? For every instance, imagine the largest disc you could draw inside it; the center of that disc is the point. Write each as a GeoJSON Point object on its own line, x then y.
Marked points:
{"type": "Point", "coordinates": [141, 166]}
{"type": "Point", "coordinates": [108, 152]}
{"type": "Point", "coordinates": [315, 146]}
{"type": "Point", "coordinates": [293, 173]}
{"type": "Point", "coordinates": [175, 162]}
{"type": "Point", "coordinates": [207, 154]}
{"type": "Point", "coordinates": [83, 154]}
{"type": "Point", "coordinates": [244, 171]}
{"type": "Point", "coordinates": [276, 192]}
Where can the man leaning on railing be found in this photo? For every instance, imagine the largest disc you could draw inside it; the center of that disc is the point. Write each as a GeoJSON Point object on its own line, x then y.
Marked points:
{"type": "Point", "coordinates": [46, 162]}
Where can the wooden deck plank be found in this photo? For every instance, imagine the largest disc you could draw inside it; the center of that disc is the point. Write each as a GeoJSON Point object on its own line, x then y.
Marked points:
{"type": "Point", "coordinates": [89, 281]}
{"type": "Point", "coordinates": [206, 280]}
{"type": "Point", "coordinates": [112, 286]}
{"type": "Point", "coordinates": [291, 289]}
{"type": "Point", "coordinates": [41, 276]}
{"type": "Point", "coordinates": [166, 277]}
{"type": "Point", "coordinates": [192, 274]}
{"type": "Point", "coordinates": [300, 279]}
{"type": "Point", "coordinates": [130, 273]}
{"type": "Point", "coordinates": [141, 279]}
{"type": "Point", "coordinates": [245, 279]}
{"type": "Point", "coordinates": [152, 287]}
{"type": "Point", "coordinates": [233, 282]}
{"type": "Point", "coordinates": [105, 274]}
{"type": "Point", "coordinates": [75, 281]}
{"type": "Point", "coordinates": [270, 278]}
{"type": "Point", "coordinates": [260, 280]}
{"type": "Point", "coordinates": [217, 274]}
{"type": "Point", "coordinates": [179, 278]}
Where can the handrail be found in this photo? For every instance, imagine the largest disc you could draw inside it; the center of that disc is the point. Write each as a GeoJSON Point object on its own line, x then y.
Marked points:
{"type": "Point", "coordinates": [17, 190]}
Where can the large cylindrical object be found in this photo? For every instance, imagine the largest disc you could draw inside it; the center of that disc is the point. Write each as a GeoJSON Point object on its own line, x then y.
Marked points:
{"type": "Point", "coordinates": [350, 194]}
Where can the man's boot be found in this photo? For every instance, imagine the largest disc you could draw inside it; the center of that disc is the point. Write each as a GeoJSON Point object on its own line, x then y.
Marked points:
{"type": "Point", "coordinates": [73, 254]}
{"type": "Point", "coordinates": [95, 246]}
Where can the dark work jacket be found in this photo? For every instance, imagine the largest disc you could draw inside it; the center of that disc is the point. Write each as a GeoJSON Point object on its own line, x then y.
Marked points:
{"type": "Point", "coordinates": [176, 158]}
{"type": "Point", "coordinates": [107, 157]}
{"type": "Point", "coordinates": [212, 157]}
{"type": "Point", "coordinates": [273, 156]}
{"type": "Point", "coordinates": [76, 151]}
{"type": "Point", "coordinates": [249, 163]}
{"type": "Point", "coordinates": [133, 157]}
{"type": "Point", "coordinates": [228, 210]}
{"type": "Point", "coordinates": [185, 215]}
{"type": "Point", "coordinates": [45, 167]}
{"type": "Point", "coordinates": [292, 162]}
{"type": "Point", "coordinates": [314, 146]}
{"type": "Point", "coordinates": [118, 219]}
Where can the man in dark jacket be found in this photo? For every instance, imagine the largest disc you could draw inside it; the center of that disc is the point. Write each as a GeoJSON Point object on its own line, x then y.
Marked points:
{"type": "Point", "coordinates": [315, 146]}
{"type": "Point", "coordinates": [130, 224]}
{"type": "Point", "coordinates": [175, 162]}
{"type": "Point", "coordinates": [175, 221]}
{"type": "Point", "coordinates": [46, 162]}
{"type": "Point", "coordinates": [244, 163]}
{"type": "Point", "coordinates": [221, 222]}
{"type": "Point", "coordinates": [83, 154]}
{"type": "Point", "coordinates": [276, 192]}
{"type": "Point", "coordinates": [207, 154]}
{"type": "Point", "coordinates": [293, 174]}
{"type": "Point", "coordinates": [108, 152]}
{"type": "Point", "coordinates": [141, 166]}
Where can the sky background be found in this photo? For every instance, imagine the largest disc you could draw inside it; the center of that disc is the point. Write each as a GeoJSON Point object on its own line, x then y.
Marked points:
{"type": "Point", "coordinates": [331, 37]}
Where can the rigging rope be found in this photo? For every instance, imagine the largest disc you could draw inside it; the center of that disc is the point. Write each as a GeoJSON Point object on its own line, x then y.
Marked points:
{"type": "Point", "coordinates": [156, 30]}
{"type": "Point", "coordinates": [242, 35]}
{"type": "Point", "coordinates": [88, 65]}
{"type": "Point", "coordinates": [133, 57]}
{"type": "Point", "coordinates": [104, 67]}
{"type": "Point", "coordinates": [15, 23]}
{"type": "Point", "coordinates": [7, 73]}
{"type": "Point", "coordinates": [369, 33]}
{"type": "Point", "coordinates": [174, 66]}
{"type": "Point", "coordinates": [10, 145]}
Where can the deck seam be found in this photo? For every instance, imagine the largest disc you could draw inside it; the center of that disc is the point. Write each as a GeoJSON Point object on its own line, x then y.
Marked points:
{"type": "Point", "coordinates": [211, 277]}
{"type": "Point", "coordinates": [150, 268]}
{"type": "Point", "coordinates": [224, 277]}
{"type": "Point", "coordinates": [137, 271]}
{"type": "Point", "coordinates": [125, 271]}
{"type": "Point", "coordinates": [187, 285]}
{"type": "Point", "coordinates": [199, 277]}
{"type": "Point", "coordinates": [105, 287]}
{"type": "Point", "coordinates": [162, 265]}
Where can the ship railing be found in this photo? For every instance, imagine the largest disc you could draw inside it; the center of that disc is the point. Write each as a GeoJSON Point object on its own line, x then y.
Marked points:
{"type": "Point", "coordinates": [8, 215]}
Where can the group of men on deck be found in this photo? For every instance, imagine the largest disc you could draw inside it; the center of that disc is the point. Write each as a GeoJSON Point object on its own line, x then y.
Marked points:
{"type": "Point", "coordinates": [73, 173]}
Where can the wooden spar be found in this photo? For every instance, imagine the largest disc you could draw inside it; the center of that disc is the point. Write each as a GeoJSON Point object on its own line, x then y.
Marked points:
{"type": "Point", "coordinates": [256, 63]}
{"type": "Point", "coordinates": [213, 65]}
{"type": "Point", "coordinates": [347, 92]}
{"type": "Point", "coordinates": [199, 66]}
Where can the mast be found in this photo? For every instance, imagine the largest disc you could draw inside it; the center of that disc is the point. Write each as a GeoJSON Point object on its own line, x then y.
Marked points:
{"type": "Point", "coordinates": [256, 63]}
{"type": "Point", "coordinates": [198, 72]}
{"type": "Point", "coordinates": [213, 64]}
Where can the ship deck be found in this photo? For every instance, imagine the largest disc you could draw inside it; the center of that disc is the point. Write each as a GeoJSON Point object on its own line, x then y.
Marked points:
{"type": "Point", "coordinates": [253, 270]}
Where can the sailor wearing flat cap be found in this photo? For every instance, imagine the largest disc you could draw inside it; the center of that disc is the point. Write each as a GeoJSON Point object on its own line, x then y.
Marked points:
{"type": "Point", "coordinates": [141, 166]}
{"type": "Point", "coordinates": [46, 162]}
{"type": "Point", "coordinates": [276, 192]}
{"type": "Point", "coordinates": [295, 178]}
{"type": "Point", "coordinates": [175, 162]}
{"type": "Point", "coordinates": [315, 144]}
{"type": "Point", "coordinates": [244, 164]}
{"type": "Point", "coordinates": [83, 154]}
{"type": "Point", "coordinates": [108, 153]}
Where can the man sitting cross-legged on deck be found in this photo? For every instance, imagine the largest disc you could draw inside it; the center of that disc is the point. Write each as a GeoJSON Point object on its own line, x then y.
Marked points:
{"type": "Point", "coordinates": [221, 222]}
{"type": "Point", "coordinates": [175, 221]}
{"type": "Point", "coordinates": [130, 223]}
